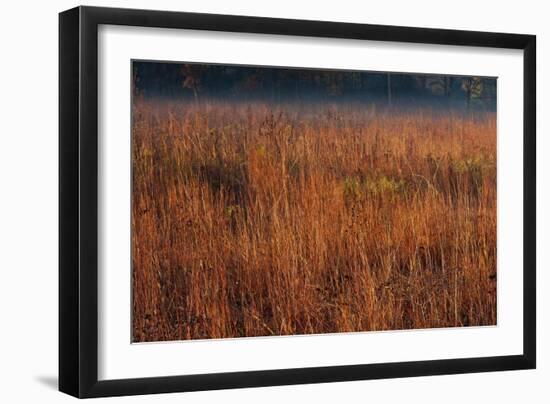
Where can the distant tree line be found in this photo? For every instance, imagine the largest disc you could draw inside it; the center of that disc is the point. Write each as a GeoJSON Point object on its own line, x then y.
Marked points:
{"type": "Point", "coordinates": [210, 81]}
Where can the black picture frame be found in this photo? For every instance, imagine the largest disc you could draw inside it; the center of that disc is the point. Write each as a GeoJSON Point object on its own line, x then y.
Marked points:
{"type": "Point", "coordinates": [78, 201]}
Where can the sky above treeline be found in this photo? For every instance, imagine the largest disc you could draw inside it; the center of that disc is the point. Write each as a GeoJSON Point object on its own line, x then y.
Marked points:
{"type": "Point", "coordinates": [196, 81]}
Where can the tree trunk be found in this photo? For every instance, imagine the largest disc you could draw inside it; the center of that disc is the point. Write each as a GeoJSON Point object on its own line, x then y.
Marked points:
{"type": "Point", "coordinates": [389, 88]}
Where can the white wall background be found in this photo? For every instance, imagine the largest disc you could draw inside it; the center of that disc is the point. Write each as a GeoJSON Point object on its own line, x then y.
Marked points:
{"type": "Point", "coordinates": [28, 200]}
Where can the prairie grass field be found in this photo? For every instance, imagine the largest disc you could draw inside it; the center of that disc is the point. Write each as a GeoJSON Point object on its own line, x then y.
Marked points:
{"type": "Point", "coordinates": [258, 219]}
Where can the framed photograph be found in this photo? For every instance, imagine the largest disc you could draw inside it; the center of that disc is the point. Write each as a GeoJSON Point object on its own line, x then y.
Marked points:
{"type": "Point", "coordinates": [251, 201]}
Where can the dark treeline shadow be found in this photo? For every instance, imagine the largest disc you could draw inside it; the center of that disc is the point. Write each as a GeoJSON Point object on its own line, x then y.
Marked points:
{"type": "Point", "coordinates": [200, 83]}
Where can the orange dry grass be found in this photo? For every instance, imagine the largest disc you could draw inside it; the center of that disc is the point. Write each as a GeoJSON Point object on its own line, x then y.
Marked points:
{"type": "Point", "coordinates": [256, 220]}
